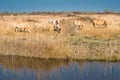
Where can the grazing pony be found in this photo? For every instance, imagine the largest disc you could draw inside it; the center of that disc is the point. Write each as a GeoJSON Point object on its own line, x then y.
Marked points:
{"type": "Point", "coordinates": [56, 25]}
{"type": "Point", "coordinates": [79, 24]}
{"type": "Point", "coordinates": [22, 27]}
{"type": "Point", "coordinates": [100, 22]}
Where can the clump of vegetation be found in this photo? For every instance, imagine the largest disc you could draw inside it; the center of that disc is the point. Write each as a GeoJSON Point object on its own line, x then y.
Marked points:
{"type": "Point", "coordinates": [39, 46]}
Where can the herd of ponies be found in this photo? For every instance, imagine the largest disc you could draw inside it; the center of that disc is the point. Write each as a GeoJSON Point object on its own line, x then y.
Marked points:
{"type": "Point", "coordinates": [24, 27]}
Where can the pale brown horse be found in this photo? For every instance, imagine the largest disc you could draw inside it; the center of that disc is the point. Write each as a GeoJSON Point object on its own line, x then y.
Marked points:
{"type": "Point", "coordinates": [22, 27]}
{"type": "Point", "coordinates": [79, 24]}
{"type": "Point", "coordinates": [100, 22]}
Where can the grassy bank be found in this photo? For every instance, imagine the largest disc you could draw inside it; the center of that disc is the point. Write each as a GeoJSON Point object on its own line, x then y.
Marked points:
{"type": "Point", "coordinates": [90, 43]}
{"type": "Point", "coordinates": [73, 46]}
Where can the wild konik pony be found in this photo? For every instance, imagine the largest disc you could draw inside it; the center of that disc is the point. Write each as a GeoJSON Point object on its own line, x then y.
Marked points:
{"type": "Point", "coordinates": [22, 27]}
{"type": "Point", "coordinates": [79, 24]}
{"type": "Point", "coordinates": [56, 25]}
{"type": "Point", "coordinates": [100, 22]}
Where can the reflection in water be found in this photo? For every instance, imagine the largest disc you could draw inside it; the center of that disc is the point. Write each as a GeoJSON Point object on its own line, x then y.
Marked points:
{"type": "Point", "coordinates": [20, 68]}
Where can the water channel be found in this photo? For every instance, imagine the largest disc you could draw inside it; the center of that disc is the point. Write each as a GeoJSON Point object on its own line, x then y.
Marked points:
{"type": "Point", "coordinates": [20, 68]}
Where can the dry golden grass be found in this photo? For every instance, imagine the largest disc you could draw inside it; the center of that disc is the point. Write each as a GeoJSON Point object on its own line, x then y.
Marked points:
{"type": "Point", "coordinates": [89, 43]}
{"type": "Point", "coordinates": [100, 32]}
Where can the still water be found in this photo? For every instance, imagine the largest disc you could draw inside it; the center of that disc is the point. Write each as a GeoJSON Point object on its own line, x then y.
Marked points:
{"type": "Point", "coordinates": [19, 68]}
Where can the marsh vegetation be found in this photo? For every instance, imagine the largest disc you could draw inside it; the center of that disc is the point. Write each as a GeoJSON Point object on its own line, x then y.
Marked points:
{"type": "Point", "coordinates": [88, 43]}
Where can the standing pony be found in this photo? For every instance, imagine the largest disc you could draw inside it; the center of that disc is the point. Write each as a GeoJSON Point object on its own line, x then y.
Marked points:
{"type": "Point", "coordinates": [100, 22]}
{"type": "Point", "coordinates": [79, 24]}
{"type": "Point", "coordinates": [56, 25]}
{"type": "Point", "coordinates": [22, 27]}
